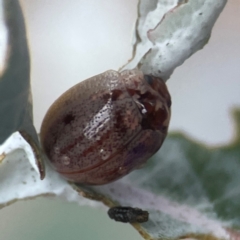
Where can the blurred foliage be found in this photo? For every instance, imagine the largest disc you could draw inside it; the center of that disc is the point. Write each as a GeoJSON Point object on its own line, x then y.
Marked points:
{"type": "Point", "coordinates": [186, 174]}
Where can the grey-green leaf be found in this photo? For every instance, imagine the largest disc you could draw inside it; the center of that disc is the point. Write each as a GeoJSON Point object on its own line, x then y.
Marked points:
{"type": "Point", "coordinates": [188, 189]}
{"type": "Point", "coordinates": [15, 91]}
{"type": "Point", "coordinates": [15, 94]}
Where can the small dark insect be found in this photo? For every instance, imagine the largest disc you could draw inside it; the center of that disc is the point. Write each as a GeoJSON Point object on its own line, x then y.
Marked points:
{"type": "Point", "coordinates": [128, 214]}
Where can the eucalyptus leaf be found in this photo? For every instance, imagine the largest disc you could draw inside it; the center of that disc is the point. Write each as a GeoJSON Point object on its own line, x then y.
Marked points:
{"type": "Point", "coordinates": [188, 189]}
{"type": "Point", "coordinates": [169, 32]}
{"type": "Point", "coordinates": [15, 91]}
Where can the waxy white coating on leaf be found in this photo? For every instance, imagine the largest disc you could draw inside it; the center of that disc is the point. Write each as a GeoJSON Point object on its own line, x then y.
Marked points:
{"type": "Point", "coordinates": [16, 141]}
{"type": "Point", "coordinates": [20, 179]}
{"type": "Point", "coordinates": [3, 40]}
{"type": "Point", "coordinates": [170, 33]}
{"type": "Point", "coordinates": [188, 219]}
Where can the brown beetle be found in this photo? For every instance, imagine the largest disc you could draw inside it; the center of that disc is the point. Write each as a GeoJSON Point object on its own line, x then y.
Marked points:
{"type": "Point", "coordinates": [106, 126]}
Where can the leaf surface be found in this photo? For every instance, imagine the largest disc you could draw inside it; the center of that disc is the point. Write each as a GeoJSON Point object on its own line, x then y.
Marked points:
{"type": "Point", "coordinates": [187, 188]}
{"type": "Point", "coordinates": [169, 32]}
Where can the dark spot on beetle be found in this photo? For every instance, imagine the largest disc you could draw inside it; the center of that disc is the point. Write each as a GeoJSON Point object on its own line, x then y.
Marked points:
{"type": "Point", "coordinates": [116, 94]}
{"type": "Point", "coordinates": [68, 119]}
{"type": "Point", "coordinates": [119, 122]}
{"type": "Point", "coordinates": [146, 124]}
{"type": "Point", "coordinates": [106, 96]}
{"type": "Point", "coordinates": [152, 118]}
{"type": "Point", "coordinates": [128, 214]}
{"type": "Point", "coordinates": [167, 44]}
{"type": "Point", "coordinates": [200, 13]}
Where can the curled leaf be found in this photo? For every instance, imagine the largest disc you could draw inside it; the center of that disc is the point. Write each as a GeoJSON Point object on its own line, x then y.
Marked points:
{"type": "Point", "coordinates": [169, 32]}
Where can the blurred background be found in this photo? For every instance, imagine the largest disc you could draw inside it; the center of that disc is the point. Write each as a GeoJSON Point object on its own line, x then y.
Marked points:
{"type": "Point", "coordinates": [71, 40]}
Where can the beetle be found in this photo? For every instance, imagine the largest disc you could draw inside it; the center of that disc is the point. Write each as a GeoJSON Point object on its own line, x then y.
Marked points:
{"type": "Point", "coordinates": [106, 126]}
{"type": "Point", "coordinates": [128, 214]}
